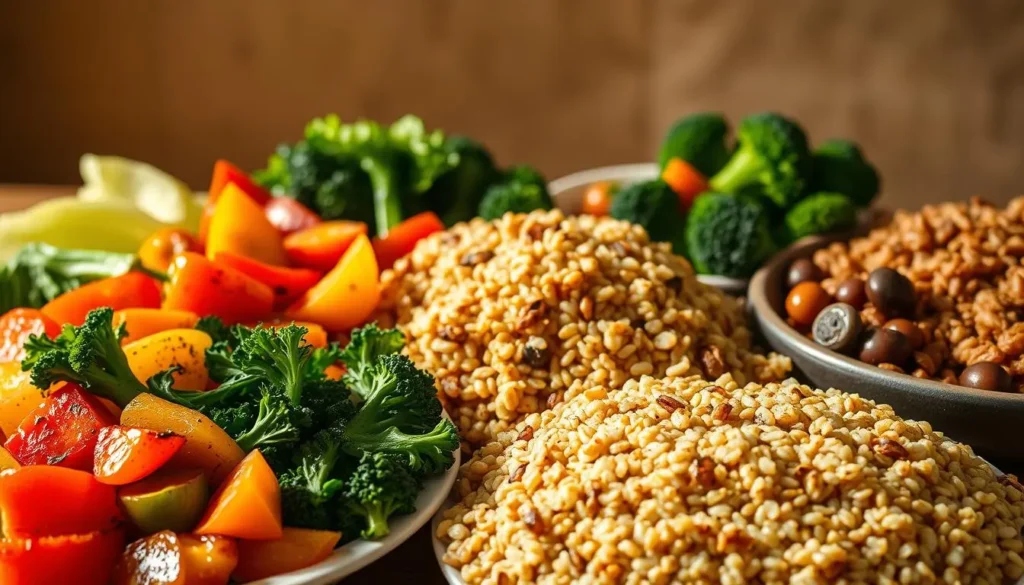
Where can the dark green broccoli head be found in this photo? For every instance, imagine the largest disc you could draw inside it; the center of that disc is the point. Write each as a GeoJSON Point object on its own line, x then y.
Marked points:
{"type": "Point", "coordinates": [729, 235]}
{"type": "Point", "coordinates": [654, 206]}
{"type": "Point", "coordinates": [699, 139]}
{"type": "Point", "coordinates": [820, 213]}
{"type": "Point", "coordinates": [839, 166]}
{"type": "Point", "coordinates": [772, 154]}
{"type": "Point", "coordinates": [514, 197]}
{"type": "Point", "coordinates": [380, 487]}
{"type": "Point", "coordinates": [524, 174]}
{"type": "Point", "coordinates": [456, 195]}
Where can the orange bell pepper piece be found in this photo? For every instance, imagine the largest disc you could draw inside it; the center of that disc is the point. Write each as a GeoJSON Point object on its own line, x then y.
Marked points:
{"type": "Point", "coordinates": [685, 180]}
{"type": "Point", "coordinates": [288, 215]}
{"type": "Point", "coordinates": [321, 246]}
{"type": "Point", "coordinates": [247, 505]}
{"type": "Point", "coordinates": [17, 325]}
{"type": "Point", "coordinates": [160, 248]}
{"type": "Point", "coordinates": [347, 295]}
{"type": "Point", "coordinates": [125, 455]}
{"type": "Point", "coordinates": [82, 559]}
{"type": "Point", "coordinates": [402, 238]}
{"type": "Point", "coordinates": [166, 558]}
{"type": "Point", "coordinates": [239, 225]}
{"type": "Point", "coordinates": [133, 289]}
{"type": "Point", "coordinates": [44, 500]}
{"type": "Point", "coordinates": [297, 549]}
{"type": "Point", "coordinates": [205, 288]}
{"type": "Point", "coordinates": [62, 431]}
{"type": "Point", "coordinates": [334, 372]}
{"type": "Point", "coordinates": [223, 174]}
{"type": "Point", "coordinates": [18, 397]}
{"type": "Point", "coordinates": [288, 284]}
{"type": "Point", "coordinates": [145, 322]}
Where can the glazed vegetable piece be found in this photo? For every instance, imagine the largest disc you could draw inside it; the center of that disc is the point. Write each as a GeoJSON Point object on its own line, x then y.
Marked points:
{"type": "Point", "coordinates": [288, 215]}
{"type": "Point", "coordinates": [820, 213]}
{"type": "Point", "coordinates": [170, 499]}
{"type": "Point", "coordinates": [297, 549]}
{"type": "Point", "coordinates": [597, 199]}
{"type": "Point", "coordinates": [728, 235]}
{"type": "Point", "coordinates": [82, 559]}
{"type": "Point", "coordinates": [45, 500]}
{"type": "Point", "coordinates": [125, 455]}
{"type": "Point", "coordinates": [62, 431]}
{"type": "Point", "coordinates": [7, 461]}
{"type": "Point", "coordinates": [139, 323]}
{"type": "Point", "coordinates": [224, 174]}
{"type": "Point", "coordinates": [131, 290]}
{"type": "Point", "coordinates": [183, 349]}
{"type": "Point", "coordinates": [686, 181]}
{"type": "Point", "coordinates": [160, 248]}
{"type": "Point", "coordinates": [288, 284]}
{"type": "Point", "coordinates": [247, 505]}
{"type": "Point", "coordinates": [403, 238]}
{"type": "Point", "coordinates": [772, 156]}
{"type": "Point", "coordinates": [321, 246]}
{"type": "Point", "coordinates": [17, 325]}
{"type": "Point", "coordinates": [166, 558]}
{"type": "Point", "coordinates": [240, 226]}
{"type": "Point", "coordinates": [839, 166]}
{"type": "Point", "coordinates": [347, 295]}
{"type": "Point", "coordinates": [456, 194]}
{"type": "Point", "coordinates": [207, 446]}
{"type": "Point", "coordinates": [18, 396]}
{"type": "Point", "coordinates": [654, 206]}
{"type": "Point", "coordinates": [700, 140]}
{"type": "Point", "coordinates": [206, 288]}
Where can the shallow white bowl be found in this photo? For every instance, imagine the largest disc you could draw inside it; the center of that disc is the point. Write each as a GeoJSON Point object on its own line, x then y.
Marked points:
{"type": "Point", "coordinates": [355, 555]}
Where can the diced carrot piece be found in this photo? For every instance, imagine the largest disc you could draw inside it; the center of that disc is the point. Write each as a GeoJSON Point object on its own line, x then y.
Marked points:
{"type": "Point", "coordinates": [205, 288]}
{"type": "Point", "coordinates": [82, 559]}
{"type": "Point", "coordinates": [125, 454]}
{"type": "Point", "coordinates": [402, 238]}
{"type": "Point", "coordinates": [347, 295]}
{"type": "Point", "coordinates": [288, 284]}
{"type": "Point", "coordinates": [145, 322]}
{"type": "Point", "coordinates": [224, 173]}
{"type": "Point", "coordinates": [321, 246]}
{"type": "Point", "coordinates": [130, 290]}
{"type": "Point", "coordinates": [597, 199]}
{"type": "Point", "coordinates": [17, 325]}
{"type": "Point", "coordinates": [685, 180]}
{"type": "Point", "coordinates": [240, 226]}
{"type": "Point", "coordinates": [297, 549]}
{"type": "Point", "coordinates": [247, 505]}
{"type": "Point", "coordinates": [43, 500]}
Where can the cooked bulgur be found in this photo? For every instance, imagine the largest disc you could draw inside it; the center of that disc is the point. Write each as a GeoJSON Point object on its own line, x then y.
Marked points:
{"type": "Point", "coordinates": [514, 315]}
{"type": "Point", "coordinates": [684, 481]}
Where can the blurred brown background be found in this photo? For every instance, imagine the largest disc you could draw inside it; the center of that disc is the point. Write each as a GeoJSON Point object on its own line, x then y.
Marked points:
{"type": "Point", "coordinates": [933, 89]}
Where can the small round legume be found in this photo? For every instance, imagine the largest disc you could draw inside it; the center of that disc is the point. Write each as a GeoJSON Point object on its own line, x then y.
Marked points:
{"type": "Point", "coordinates": [886, 346]}
{"type": "Point", "coordinates": [805, 301]}
{"type": "Point", "coordinates": [851, 291]}
{"type": "Point", "coordinates": [986, 376]}
{"type": "Point", "coordinates": [909, 329]}
{"type": "Point", "coordinates": [891, 292]}
{"type": "Point", "coordinates": [837, 327]}
{"type": "Point", "coordinates": [802, 270]}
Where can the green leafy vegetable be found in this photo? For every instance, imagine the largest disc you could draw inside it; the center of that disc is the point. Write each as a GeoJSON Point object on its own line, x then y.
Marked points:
{"type": "Point", "coordinates": [820, 213]}
{"type": "Point", "coordinates": [379, 488]}
{"type": "Point", "coordinates": [728, 235]}
{"type": "Point", "coordinates": [654, 206]}
{"type": "Point", "coordinates": [839, 166]}
{"type": "Point", "coordinates": [522, 189]}
{"type": "Point", "coordinates": [699, 139]}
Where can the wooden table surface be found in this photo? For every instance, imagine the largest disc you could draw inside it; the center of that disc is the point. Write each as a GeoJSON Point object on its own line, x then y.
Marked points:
{"type": "Point", "coordinates": [414, 558]}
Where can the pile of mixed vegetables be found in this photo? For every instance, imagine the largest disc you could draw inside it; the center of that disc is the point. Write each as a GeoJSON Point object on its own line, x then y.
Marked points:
{"type": "Point", "coordinates": [214, 407]}
{"type": "Point", "coordinates": [728, 207]}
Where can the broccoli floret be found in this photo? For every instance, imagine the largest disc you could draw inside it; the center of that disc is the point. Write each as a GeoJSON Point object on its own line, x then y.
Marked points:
{"type": "Point", "coordinates": [380, 487]}
{"type": "Point", "coordinates": [699, 139]}
{"type": "Point", "coordinates": [728, 235]}
{"type": "Point", "coordinates": [514, 197]}
{"type": "Point", "coordinates": [772, 154]}
{"type": "Point", "coordinates": [366, 346]}
{"type": "Point", "coordinates": [820, 213]}
{"type": "Point", "coordinates": [456, 195]}
{"type": "Point", "coordinates": [277, 355]}
{"type": "Point", "coordinates": [309, 488]}
{"type": "Point", "coordinates": [525, 174]}
{"type": "Point", "coordinates": [654, 206]}
{"type": "Point", "coordinates": [839, 166]}
{"type": "Point", "coordinates": [402, 160]}
{"type": "Point", "coordinates": [273, 425]}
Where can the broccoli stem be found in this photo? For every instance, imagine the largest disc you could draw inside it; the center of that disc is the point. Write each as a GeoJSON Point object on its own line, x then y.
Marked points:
{"type": "Point", "coordinates": [386, 201]}
{"type": "Point", "coordinates": [737, 172]}
{"type": "Point", "coordinates": [114, 387]}
{"type": "Point", "coordinates": [376, 523]}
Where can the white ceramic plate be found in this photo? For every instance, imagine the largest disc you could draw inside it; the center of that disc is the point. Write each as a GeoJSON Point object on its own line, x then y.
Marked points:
{"type": "Point", "coordinates": [454, 577]}
{"type": "Point", "coordinates": [360, 553]}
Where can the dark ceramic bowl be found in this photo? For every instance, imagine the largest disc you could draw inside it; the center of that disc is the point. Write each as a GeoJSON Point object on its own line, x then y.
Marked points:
{"type": "Point", "coordinates": [991, 422]}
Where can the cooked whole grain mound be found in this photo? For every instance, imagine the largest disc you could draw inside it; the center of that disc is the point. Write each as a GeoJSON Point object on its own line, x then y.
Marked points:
{"type": "Point", "coordinates": [683, 481]}
{"type": "Point", "coordinates": [964, 260]}
{"type": "Point", "coordinates": [514, 315]}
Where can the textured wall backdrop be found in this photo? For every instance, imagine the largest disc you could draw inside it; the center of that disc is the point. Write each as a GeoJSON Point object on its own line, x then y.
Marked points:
{"type": "Point", "coordinates": [933, 89]}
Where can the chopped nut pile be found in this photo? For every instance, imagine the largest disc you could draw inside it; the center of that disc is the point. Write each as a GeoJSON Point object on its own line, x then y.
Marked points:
{"type": "Point", "coordinates": [515, 315]}
{"type": "Point", "coordinates": [686, 481]}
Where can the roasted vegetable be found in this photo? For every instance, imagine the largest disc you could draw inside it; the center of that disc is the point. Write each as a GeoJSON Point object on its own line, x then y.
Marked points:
{"type": "Point", "coordinates": [654, 206]}
{"type": "Point", "coordinates": [819, 213]}
{"type": "Point", "coordinates": [839, 166]}
{"type": "Point", "coordinates": [699, 139]}
{"type": "Point", "coordinates": [729, 235]}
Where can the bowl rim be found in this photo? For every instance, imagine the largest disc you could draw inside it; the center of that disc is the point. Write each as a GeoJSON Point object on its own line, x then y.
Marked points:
{"type": "Point", "coordinates": [768, 317]}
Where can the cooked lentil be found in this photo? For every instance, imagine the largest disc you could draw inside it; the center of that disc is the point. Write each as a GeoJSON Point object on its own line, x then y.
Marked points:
{"type": "Point", "coordinates": [551, 304]}
{"type": "Point", "coordinates": [650, 484]}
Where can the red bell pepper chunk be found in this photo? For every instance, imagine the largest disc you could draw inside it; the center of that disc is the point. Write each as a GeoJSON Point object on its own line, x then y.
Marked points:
{"type": "Point", "coordinates": [17, 325]}
{"type": "Point", "coordinates": [288, 284]}
{"type": "Point", "coordinates": [82, 559]}
{"type": "Point", "coordinates": [322, 245]}
{"type": "Point", "coordinates": [402, 238]}
{"type": "Point", "coordinates": [205, 288]}
{"type": "Point", "coordinates": [288, 215]}
{"type": "Point", "coordinates": [43, 500]}
{"type": "Point", "coordinates": [224, 173]}
{"type": "Point", "coordinates": [62, 431]}
{"type": "Point", "coordinates": [125, 455]}
{"type": "Point", "coordinates": [127, 291]}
